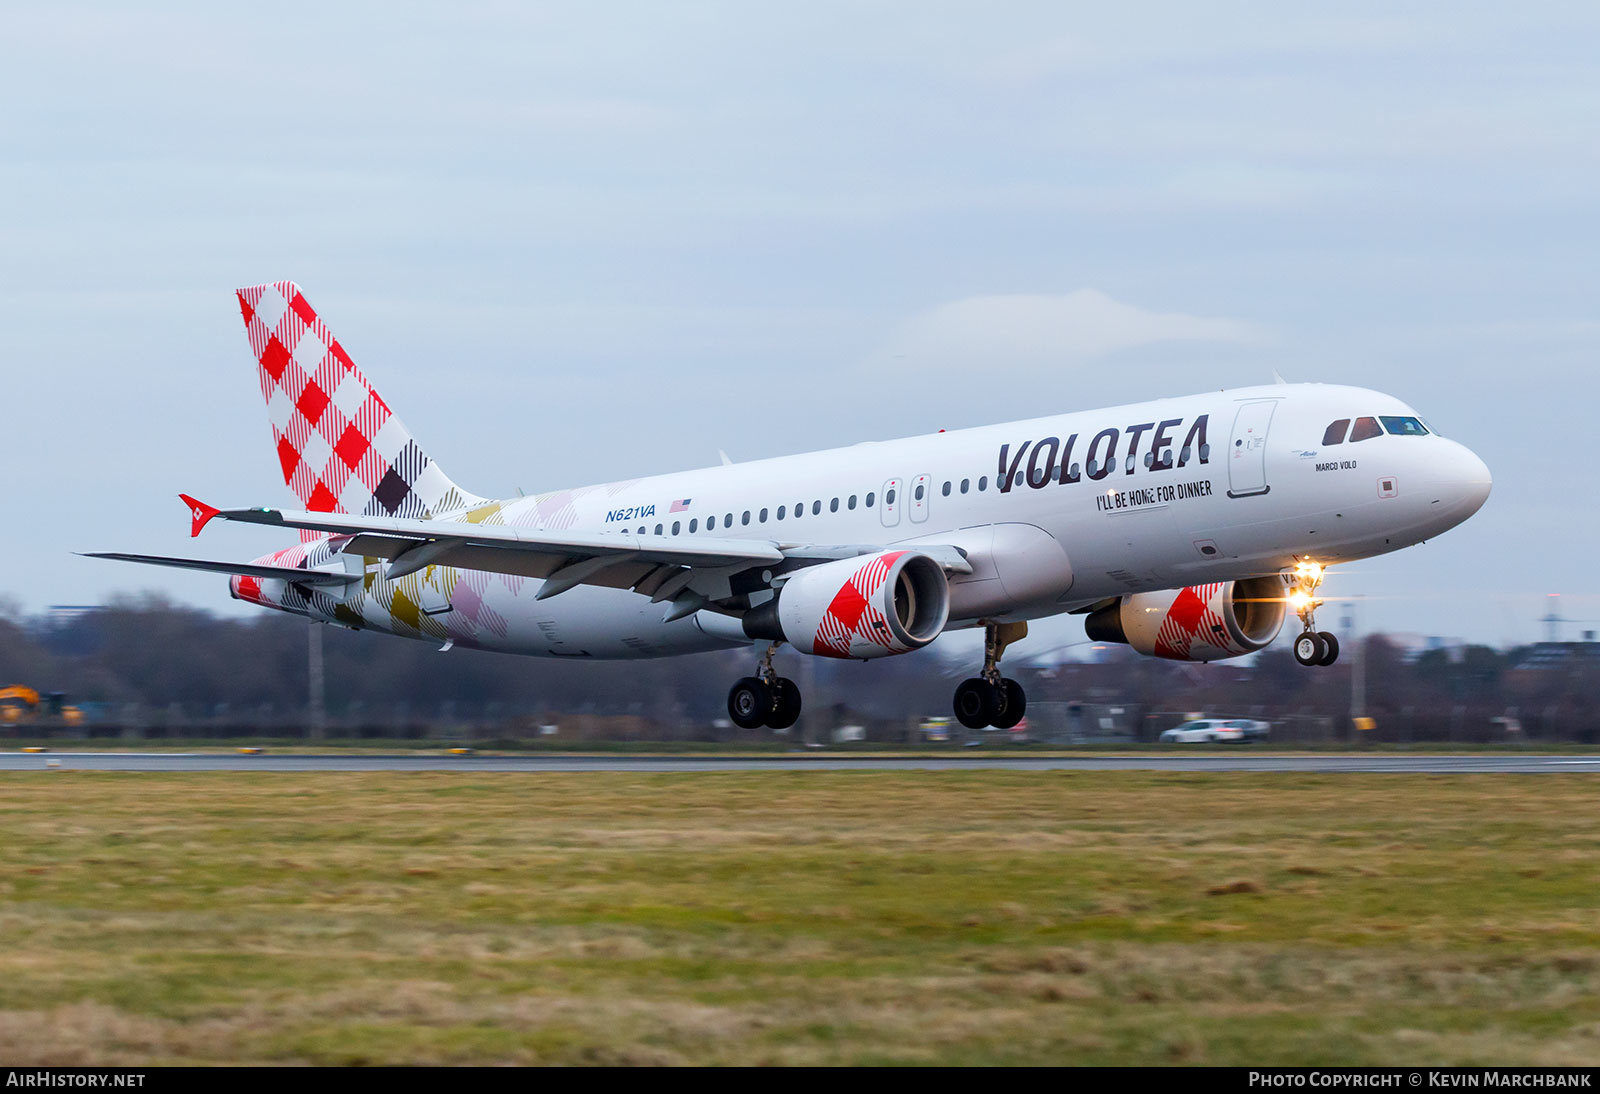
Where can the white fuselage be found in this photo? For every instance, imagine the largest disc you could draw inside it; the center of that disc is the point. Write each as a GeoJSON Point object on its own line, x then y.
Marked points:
{"type": "Point", "coordinates": [1203, 488]}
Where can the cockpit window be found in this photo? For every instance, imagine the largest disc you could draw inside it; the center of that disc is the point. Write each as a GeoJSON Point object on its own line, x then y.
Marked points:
{"type": "Point", "coordinates": [1336, 431]}
{"type": "Point", "coordinates": [1365, 429]}
{"type": "Point", "coordinates": [1404, 427]}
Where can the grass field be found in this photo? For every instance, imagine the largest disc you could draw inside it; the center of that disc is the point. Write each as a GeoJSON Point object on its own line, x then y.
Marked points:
{"type": "Point", "coordinates": [799, 917]}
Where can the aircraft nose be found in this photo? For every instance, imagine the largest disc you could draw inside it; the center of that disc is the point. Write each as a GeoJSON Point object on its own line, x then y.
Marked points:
{"type": "Point", "coordinates": [1463, 481]}
{"type": "Point", "coordinates": [1476, 479]}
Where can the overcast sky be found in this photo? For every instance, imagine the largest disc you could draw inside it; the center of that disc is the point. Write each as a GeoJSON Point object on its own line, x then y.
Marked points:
{"type": "Point", "coordinates": [588, 241]}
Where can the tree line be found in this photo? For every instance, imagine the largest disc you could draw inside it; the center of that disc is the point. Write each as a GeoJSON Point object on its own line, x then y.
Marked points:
{"type": "Point", "coordinates": [152, 666]}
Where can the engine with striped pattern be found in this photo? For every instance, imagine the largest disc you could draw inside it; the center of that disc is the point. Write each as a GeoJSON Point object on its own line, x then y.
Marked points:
{"type": "Point", "coordinates": [1197, 622]}
{"type": "Point", "coordinates": [865, 607]}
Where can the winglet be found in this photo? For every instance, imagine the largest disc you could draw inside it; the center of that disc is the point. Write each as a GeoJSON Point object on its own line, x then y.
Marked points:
{"type": "Point", "coordinates": [199, 512]}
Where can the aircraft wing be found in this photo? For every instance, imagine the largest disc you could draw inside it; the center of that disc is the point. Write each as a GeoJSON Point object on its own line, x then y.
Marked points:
{"type": "Point", "coordinates": [685, 570]}
{"type": "Point", "coordinates": [690, 571]}
{"type": "Point", "coordinates": [242, 569]}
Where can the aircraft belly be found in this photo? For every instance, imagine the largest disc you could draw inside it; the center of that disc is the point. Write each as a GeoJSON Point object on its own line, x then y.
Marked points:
{"type": "Point", "coordinates": [1013, 566]}
{"type": "Point", "coordinates": [1125, 551]}
{"type": "Point", "coordinates": [1330, 535]}
{"type": "Point", "coordinates": [590, 621]}
{"type": "Point", "coordinates": [478, 610]}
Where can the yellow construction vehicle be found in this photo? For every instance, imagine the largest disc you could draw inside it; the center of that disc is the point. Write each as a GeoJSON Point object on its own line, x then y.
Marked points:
{"type": "Point", "coordinates": [21, 705]}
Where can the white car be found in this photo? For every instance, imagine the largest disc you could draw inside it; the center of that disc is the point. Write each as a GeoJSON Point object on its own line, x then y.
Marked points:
{"type": "Point", "coordinates": [1215, 729]}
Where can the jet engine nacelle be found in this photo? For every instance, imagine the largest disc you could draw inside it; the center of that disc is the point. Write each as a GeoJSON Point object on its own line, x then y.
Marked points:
{"type": "Point", "coordinates": [869, 606]}
{"type": "Point", "coordinates": [1197, 623]}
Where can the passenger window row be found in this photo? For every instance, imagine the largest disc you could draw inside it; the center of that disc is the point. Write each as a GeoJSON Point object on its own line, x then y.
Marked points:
{"type": "Point", "coordinates": [849, 503]}
{"type": "Point", "coordinates": [761, 516]}
{"type": "Point", "coordinates": [727, 520]}
{"type": "Point", "coordinates": [1367, 428]}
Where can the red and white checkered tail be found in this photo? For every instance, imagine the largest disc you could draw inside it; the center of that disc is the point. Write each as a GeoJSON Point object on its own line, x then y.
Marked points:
{"type": "Point", "coordinates": [342, 450]}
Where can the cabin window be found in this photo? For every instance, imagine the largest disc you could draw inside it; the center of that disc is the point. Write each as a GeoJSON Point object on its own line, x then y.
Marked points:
{"type": "Point", "coordinates": [920, 491]}
{"type": "Point", "coordinates": [966, 484]}
{"type": "Point", "coordinates": [888, 496]}
{"type": "Point", "coordinates": [946, 490]}
{"type": "Point", "coordinates": [746, 518]}
{"type": "Point", "coordinates": [871, 497]}
{"type": "Point", "coordinates": [851, 504]}
{"type": "Point", "coordinates": [783, 511]}
{"type": "Point", "coordinates": [711, 524]}
{"type": "Point", "coordinates": [799, 510]}
{"type": "Point", "coordinates": [694, 525]}
{"type": "Point", "coordinates": [677, 526]}
{"type": "Point", "coordinates": [1404, 427]}
{"type": "Point", "coordinates": [658, 529]}
{"type": "Point", "coordinates": [1334, 434]}
{"type": "Point", "coordinates": [833, 506]}
{"type": "Point", "coordinates": [1365, 429]}
{"type": "Point", "coordinates": [761, 517]}
{"type": "Point", "coordinates": [983, 483]}
{"type": "Point", "coordinates": [816, 508]}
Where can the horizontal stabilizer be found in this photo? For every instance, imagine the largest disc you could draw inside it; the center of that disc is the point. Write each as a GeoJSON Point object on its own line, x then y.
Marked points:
{"type": "Point", "coordinates": [242, 569]}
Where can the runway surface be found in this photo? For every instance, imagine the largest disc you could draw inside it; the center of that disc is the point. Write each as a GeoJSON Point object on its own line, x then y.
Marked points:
{"type": "Point", "coordinates": [289, 761]}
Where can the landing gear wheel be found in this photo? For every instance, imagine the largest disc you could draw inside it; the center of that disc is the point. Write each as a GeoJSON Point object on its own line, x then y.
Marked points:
{"type": "Point", "coordinates": [785, 705]}
{"type": "Point", "coordinates": [750, 703]}
{"type": "Point", "coordinates": [987, 699]}
{"type": "Point", "coordinates": [976, 703]}
{"type": "Point", "coordinates": [1332, 644]}
{"type": "Point", "coordinates": [1309, 648]}
{"type": "Point", "coordinates": [1014, 704]}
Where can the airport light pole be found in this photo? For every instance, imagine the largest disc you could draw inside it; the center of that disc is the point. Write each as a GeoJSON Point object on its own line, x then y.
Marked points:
{"type": "Point", "coordinates": [316, 721]}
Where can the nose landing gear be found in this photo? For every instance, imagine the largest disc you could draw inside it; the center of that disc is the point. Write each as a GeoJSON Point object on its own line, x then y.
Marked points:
{"type": "Point", "coordinates": [1313, 647]}
{"type": "Point", "coordinates": [989, 699]}
{"type": "Point", "coordinates": [765, 699]}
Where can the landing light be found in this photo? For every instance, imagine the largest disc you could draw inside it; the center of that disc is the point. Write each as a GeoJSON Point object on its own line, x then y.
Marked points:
{"type": "Point", "coordinates": [1299, 599]}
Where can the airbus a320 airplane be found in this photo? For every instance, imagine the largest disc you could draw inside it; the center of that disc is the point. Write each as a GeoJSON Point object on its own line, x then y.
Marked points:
{"type": "Point", "coordinates": [1188, 528]}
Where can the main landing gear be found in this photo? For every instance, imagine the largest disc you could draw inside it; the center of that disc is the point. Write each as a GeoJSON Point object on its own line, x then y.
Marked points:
{"type": "Point", "coordinates": [1313, 647]}
{"type": "Point", "coordinates": [989, 699]}
{"type": "Point", "coordinates": [765, 699]}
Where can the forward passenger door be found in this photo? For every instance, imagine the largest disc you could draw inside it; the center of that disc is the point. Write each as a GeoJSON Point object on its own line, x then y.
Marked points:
{"type": "Point", "coordinates": [1247, 450]}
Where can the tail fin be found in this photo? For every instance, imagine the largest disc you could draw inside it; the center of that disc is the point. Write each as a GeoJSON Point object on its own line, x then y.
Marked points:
{"type": "Point", "coordinates": [341, 449]}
